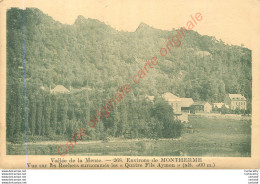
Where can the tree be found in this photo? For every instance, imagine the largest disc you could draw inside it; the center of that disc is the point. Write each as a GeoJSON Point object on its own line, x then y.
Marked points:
{"type": "Point", "coordinates": [163, 112]}
{"type": "Point", "coordinates": [123, 120]}
{"type": "Point", "coordinates": [43, 126]}
{"type": "Point", "coordinates": [47, 115]}
{"type": "Point", "coordinates": [39, 116]}
{"type": "Point", "coordinates": [54, 114]}
{"type": "Point", "coordinates": [63, 114]}
{"type": "Point", "coordinates": [116, 121]}
{"type": "Point", "coordinates": [32, 116]}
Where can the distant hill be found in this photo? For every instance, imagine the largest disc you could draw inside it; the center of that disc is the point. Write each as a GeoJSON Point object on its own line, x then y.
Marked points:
{"type": "Point", "coordinates": [90, 54]}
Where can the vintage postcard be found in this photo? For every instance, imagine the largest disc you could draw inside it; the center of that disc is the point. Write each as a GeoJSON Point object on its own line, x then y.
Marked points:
{"type": "Point", "coordinates": [129, 84]}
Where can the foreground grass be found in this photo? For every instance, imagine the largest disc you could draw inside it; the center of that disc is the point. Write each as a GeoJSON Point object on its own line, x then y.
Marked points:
{"type": "Point", "coordinates": [211, 137]}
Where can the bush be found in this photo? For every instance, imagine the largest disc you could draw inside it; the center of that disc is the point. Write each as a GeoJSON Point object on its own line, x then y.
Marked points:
{"type": "Point", "coordinates": [163, 112]}
{"type": "Point", "coordinates": [18, 138]}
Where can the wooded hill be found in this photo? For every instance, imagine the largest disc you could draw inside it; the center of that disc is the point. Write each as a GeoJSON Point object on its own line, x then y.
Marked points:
{"type": "Point", "coordinates": [93, 59]}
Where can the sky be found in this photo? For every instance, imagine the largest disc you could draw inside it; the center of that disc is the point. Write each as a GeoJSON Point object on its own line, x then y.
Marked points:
{"type": "Point", "coordinates": [233, 21]}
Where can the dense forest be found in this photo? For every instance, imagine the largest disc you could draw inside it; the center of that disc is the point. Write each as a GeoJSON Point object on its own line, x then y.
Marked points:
{"type": "Point", "coordinates": [93, 59]}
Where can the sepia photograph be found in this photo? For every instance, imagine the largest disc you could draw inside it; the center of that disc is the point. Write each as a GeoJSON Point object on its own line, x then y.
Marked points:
{"type": "Point", "coordinates": [175, 87]}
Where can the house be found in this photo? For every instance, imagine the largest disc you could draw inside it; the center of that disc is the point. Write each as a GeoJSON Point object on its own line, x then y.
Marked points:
{"type": "Point", "coordinates": [185, 104]}
{"type": "Point", "coordinates": [59, 89]}
{"type": "Point", "coordinates": [220, 105]}
{"type": "Point", "coordinates": [151, 98]}
{"type": "Point", "coordinates": [200, 107]}
{"type": "Point", "coordinates": [236, 101]}
{"type": "Point", "coordinates": [203, 53]}
{"type": "Point", "coordinates": [174, 101]}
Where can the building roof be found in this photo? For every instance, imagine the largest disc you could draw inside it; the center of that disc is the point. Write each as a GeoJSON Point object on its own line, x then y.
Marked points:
{"type": "Point", "coordinates": [60, 89]}
{"type": "Point", "coordinates": [236, 97]}
{"type": "Point", "coordinates": [149, 97]}
{"type": "Point", "coordinates": [199, 103]}
{"type": "Point", "coordinates": [170, 97]}
{"type": "Point", "coordinates": [186, 102]}
{"type": "Point", "coordinates": [203, 53]}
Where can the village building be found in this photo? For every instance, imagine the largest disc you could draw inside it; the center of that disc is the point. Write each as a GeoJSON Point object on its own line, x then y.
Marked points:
{"type": "Point", "coordinates": [59, 89]}
{"type": "Point", "coordinates": [220, 105]}
{"type": "Point", "coordinates": [236, 101]}
{"type": "Point", "coordinates": [198, 107]}
{"type": "Point", "coordinates": [203, 53]}
{"type": "Point", "coordinates": [186, 104]}
{"type": "Point", "coordinates": [150, 98]}
{"type": "Point", "coordinates": [173, 101]}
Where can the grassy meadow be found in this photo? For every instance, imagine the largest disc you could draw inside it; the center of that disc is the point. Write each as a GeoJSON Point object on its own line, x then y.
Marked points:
{"type": "Point", "coordinates": [203, 136]}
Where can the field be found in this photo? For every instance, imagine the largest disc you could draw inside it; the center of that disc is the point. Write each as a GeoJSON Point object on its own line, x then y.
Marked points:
{"type": "Point", "coordinates": [203, 136]}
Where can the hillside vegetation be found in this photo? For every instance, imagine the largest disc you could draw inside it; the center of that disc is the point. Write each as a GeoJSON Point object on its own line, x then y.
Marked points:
{"type": "Point", "coordinates": [93, 59]}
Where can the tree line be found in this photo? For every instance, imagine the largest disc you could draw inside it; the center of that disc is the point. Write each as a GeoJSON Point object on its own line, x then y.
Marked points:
{"type": "Point", "coordinates": [58, 117]}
